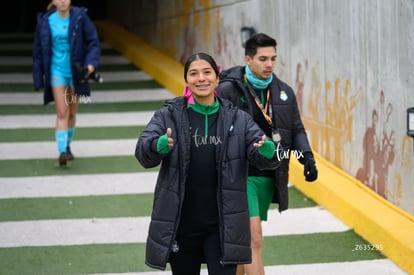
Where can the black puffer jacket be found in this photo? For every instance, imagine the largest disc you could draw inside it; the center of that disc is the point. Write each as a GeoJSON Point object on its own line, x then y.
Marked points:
{"type": "Point", "coordinates": [238, 132]}
{"type": "Point", "coordinates": [286, 119]}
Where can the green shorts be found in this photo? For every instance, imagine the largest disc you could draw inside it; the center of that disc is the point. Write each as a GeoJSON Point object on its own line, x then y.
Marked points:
{"type": "Point", "coordinates": [259, 195]}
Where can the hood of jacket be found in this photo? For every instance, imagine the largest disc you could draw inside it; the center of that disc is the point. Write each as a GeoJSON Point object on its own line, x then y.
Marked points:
{"type": "Point", "coordinates": [233, 74]}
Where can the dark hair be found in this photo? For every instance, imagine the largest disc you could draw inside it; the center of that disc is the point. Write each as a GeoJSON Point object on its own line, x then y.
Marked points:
{"type": "Point", "coordinates": [257, 41]}
{"type": "Point", "coordinates": [197, 56]}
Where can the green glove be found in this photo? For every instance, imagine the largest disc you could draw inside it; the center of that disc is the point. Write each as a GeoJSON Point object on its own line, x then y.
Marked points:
{"type": "Point", "coordinates": [267, 149]}
{"type": "Point", "coordinates": [162, 145]}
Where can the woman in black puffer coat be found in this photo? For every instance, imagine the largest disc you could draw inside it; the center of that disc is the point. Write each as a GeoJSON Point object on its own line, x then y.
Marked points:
{"type": "Point", "coordinates": [204, 145]}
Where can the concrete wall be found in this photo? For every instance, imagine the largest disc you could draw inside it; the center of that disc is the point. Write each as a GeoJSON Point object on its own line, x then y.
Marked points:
{"type": "Point", "coordinates": [351, 64]}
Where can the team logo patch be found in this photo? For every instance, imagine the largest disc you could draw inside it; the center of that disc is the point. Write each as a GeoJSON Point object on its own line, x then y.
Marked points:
{"type": "Point", "coordinates": [283, 95]}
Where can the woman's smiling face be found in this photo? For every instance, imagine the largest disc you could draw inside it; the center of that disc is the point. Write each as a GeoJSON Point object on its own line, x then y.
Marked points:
{"type": "Point", "coordinates": [202, 80]}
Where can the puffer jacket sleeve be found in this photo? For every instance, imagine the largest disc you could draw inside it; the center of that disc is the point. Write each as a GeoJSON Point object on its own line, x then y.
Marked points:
{"type": "Point", "coordinates": [254, 134]}
{"type": "Point", "coordinates": [37, 65]}
{"type": "Point", "coordinates": [146, 148]}
{"type": "Point", "coordinates": [91, 41]}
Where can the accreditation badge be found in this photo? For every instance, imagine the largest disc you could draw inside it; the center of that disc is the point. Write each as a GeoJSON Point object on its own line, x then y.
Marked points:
{"type": "Point", "coordinates": [276, 136]}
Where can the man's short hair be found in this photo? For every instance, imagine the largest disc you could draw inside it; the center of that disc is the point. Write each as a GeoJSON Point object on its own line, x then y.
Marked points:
{"type": "Point", "coordinates": [258, 40]}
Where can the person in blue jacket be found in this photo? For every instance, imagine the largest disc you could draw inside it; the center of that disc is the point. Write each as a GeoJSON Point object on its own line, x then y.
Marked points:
{"type": "Point", "coordinates": [65, 38]}
{"type": "Point", "coordinates": [204, 145]}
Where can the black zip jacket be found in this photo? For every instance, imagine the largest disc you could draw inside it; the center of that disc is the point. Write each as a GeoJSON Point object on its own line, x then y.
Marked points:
{"type": "Point", "coordinates": [285, 119]}
{"type": "Point", "coordinates": [239, 133]}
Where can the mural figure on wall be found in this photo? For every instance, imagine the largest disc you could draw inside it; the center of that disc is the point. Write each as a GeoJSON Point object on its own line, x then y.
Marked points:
{"type": "Point", "coordinates": [333, 128]}
{"type": "Point", "coordinates": [346, 105]}
{"type": "Point", "coordinates": [327, 129]}
{"type": "Point", "coordinates": [370, 147]}
{"type": "Point", "coordinates": [340, 118]}
{"type": "Point", "coordinates": [378, 150]}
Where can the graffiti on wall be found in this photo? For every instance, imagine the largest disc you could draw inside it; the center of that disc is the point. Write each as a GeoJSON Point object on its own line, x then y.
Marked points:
{"type": "Point", "coordinates": [333, 128]}
{"type": "Point", "coordinates": [378, 149]}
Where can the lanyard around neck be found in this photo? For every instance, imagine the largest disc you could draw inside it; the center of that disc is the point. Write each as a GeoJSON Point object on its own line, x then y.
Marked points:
{"type": "Point", "coordinates": [264, 109]}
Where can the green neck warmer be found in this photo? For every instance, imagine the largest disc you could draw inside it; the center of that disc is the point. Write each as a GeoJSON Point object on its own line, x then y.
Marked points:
{"type": "Point", "coordinates": [205, 110]}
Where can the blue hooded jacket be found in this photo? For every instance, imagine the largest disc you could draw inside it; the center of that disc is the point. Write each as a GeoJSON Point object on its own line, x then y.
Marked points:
{"type": "Point", "coordinates": [84, 49]}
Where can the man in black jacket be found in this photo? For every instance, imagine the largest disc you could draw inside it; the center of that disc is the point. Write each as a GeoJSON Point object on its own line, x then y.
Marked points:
{"type": "Point", "coordinates": [272, 103]}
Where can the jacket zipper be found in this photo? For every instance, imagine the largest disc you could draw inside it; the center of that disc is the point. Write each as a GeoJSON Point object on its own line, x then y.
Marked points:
{"type": "Point", "coordinates": [184, 124]}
